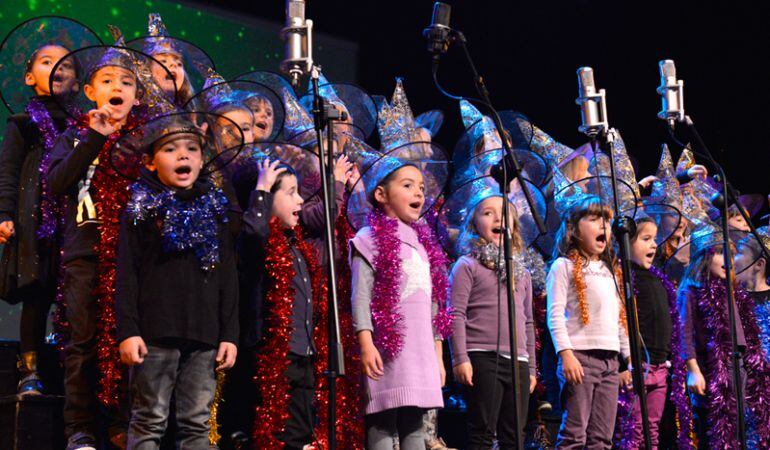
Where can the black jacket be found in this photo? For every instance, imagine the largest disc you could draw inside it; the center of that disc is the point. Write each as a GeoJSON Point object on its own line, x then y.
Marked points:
{"type": "Point", "coordinates": [162, 294]}
{"type": "Point", "coordinates": [26, 261]}
{"type": "Point", "coordinates": [70, 174]}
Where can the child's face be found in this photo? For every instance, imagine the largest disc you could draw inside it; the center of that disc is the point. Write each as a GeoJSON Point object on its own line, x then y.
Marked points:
{"type": "Point", "coordinates": [422, 148]}
{"type": "Point", "coordinates": [737, 222]}
{"type": "Point", "coordinates": [593, 234]}
{"type": "Point", "coordinates": [244, 120]}
{"type": "Point", "coordinates": [744, 274]}
{"type": "Point", "coordinates": [263, 119]}
{"type": "Point", "coordinates": [175, 65]}
{"type": "Point", "coordinates": [404, 195]}
{"type": "Point", "coordinates": [287, 203]}
{"type": "Point", "coordinates": [178, 162]}
{"type": "Point", "coordinates": [38, 77]}
{"type": "Point", "coordinates": [717, 266]}
{"type": "Point", "coordinates": [643, 246]}
{"type": "Point", "coordinates": [115, 87]}
{"type": "Point", "coordinates": [488, 219]}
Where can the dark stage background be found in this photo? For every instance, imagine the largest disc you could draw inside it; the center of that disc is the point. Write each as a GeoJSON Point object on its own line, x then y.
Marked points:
{"type": "Point", "coordinates": [529, 53]}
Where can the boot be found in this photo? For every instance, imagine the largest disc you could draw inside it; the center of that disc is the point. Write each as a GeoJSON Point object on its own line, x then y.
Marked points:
{"type": "Point", "coordinates": [30, 381]}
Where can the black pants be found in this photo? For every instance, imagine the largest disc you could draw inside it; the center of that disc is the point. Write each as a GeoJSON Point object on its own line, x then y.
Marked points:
{"type": "Point", "coordinates": [81, 407]}
{"type": "Point", "coordinates": [491, 401]}
{"type": "Point", "coordinates": [298, 431]}
{"type": "Point", "coordinates": [34, 317]}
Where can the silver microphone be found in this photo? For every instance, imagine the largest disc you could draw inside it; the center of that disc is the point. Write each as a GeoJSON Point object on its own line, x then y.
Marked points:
{"type": "Point", "coordinates": [671, 93]}
{"type": "Point", "coordinates": [593, 108]}
{"type": "Point", "coordinates": [298, 34]}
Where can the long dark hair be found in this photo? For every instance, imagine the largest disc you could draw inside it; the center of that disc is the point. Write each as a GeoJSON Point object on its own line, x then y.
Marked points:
{"type": "Point", "coordinates": [567, 236]}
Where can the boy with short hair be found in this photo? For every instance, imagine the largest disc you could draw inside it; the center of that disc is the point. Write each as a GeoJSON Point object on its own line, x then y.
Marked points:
{"type": "Point", "coordinates": [176, 288]}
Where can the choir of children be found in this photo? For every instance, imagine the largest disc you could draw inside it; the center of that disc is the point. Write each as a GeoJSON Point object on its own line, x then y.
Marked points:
{"type": "Point", "coordinates": [178, 216]}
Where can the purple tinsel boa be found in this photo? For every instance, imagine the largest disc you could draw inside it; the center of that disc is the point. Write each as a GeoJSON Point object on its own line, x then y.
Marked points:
{"type": "Point", "coordinates": [50, 211]}
{"type": "Point", "coordinates": [678, 388]}
{"type": "Point", "coordinates": [711, 301]}
{"type": "Point", "coordinates": [386, 311]}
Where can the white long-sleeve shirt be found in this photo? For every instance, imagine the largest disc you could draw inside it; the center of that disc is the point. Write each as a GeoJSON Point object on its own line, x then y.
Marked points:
{"type": "Point", "coordinates": [603, 331]}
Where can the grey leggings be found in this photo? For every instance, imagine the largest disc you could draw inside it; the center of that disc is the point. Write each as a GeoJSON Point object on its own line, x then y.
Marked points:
{"type": "Point", "coordinates": [403, 425]}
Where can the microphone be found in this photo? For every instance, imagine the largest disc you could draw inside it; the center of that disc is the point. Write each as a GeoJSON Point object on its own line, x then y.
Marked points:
{"type": "Point", "coordinates": [593, 108]}
{"type": "Point", "coordinates": [671, 93]}
{"type": "Point", "coordinates": [437, 34]}
{"type": "Point", "coordinates": [298, 34]}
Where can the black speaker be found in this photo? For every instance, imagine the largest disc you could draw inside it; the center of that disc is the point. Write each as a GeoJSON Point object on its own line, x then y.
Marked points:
{"type": "Point", "coordinates": [31, 422]}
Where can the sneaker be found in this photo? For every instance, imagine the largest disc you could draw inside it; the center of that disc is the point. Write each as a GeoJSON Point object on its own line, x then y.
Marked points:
{"type": "Point", "coordinates": [30, 385]}
{"type": "Point", "coordinates": [81, 441]}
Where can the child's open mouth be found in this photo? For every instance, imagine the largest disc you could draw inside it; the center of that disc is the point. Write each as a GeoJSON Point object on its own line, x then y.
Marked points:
{"type": "Point", "coordinates": [262, 125]}
{"type": "Point", "coordinates": [650, 255]}
{"type": "Point", "coordinates": [57, 78]}
{"type": "Point", "coordinates": [497, 230]}
{"type": "Point", "coordinates": [601, 238]}
{"type": "Point", "coordinates": [116, 101]}
{"type": "Point", "coordinates": [415, 205]}
{"type": "Point", "coordinates": [183, 170]}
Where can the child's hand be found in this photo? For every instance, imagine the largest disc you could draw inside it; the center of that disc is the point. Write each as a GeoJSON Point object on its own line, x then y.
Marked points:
{"type": "Point", "coordinates": [696, 382]}
{"type": "Point", "coordinates": [571, 367]}
{"type": "Point", "coordinates": [133, 350]}
{"type": "Point", "coordinates": [268, 173]}
{"type": "Point", "coordinates": [226, 355]}
{"type": "Point", "coordinates": [647, 181]}
{"type": "Point", "coordinates": [626, 379]}
{"type": "Point", "coordinates": [697, 171]}
{"type": "Point", "coordinates": [342, 169]}
{"type": "Point", "coordinates": [372, 362]}
{"type": "Point", "coordinates": [464, 373]}
{"type": "Point", "coordinates": [6, 231]}
{"type": "Point", "coordinates": [100, 121]}
{"type": "Point", "coordinates": [532, 383]}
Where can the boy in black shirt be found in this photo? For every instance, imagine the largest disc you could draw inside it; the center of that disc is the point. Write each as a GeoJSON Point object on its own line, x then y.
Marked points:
{"type": "Point", "coordinates": [177, 295]}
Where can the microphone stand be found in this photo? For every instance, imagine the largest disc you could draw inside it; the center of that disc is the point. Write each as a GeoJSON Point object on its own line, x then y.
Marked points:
{"type": "Point", "coordinates": [729, 194]}
{"type": "Point", "coordinates": [324, 116]}
{"type": "Point", "coordinates": [622, 228]}
{"type": "Point", "coordinates": [504, 172]}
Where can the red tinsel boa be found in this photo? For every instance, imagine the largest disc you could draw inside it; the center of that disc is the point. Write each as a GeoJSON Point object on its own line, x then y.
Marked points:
{"type": "Point", "coordinates": [110, 193]}
{"type": "Point", "coordinates": [350, 411]}
{"type": "Point", "coordinates": [272, 362]}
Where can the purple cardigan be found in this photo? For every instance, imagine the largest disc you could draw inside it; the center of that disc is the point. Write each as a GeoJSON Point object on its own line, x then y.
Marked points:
{"type": "Point", "coordinates": [477, 317]}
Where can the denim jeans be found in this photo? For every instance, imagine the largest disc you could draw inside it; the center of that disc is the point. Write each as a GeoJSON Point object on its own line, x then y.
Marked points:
{"type": "Point", "coordinates": [182, 370]}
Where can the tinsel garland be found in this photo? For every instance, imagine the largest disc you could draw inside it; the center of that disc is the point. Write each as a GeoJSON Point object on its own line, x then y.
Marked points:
{"type": "Point", "coordinates": [50, 208]}
{"type": "Point", "coordinates": [51, 214]}
{"type": "Point", "coordinates": [677, 390]}
{"type": "Point", "coordinates": [213, 421]}
{"type": "Point", "coordinates": [762, 314]}
{"type": "Point", "coordinates": [580, 283]}
{"type": "Point", "coordinates": [350, 411]}
{"type": "Point", "coordinates": [272, 362]}
{"type": "Point", "coordinates": [385, 305]}
{"type": "Point", "coordinates": [186, 225]}
{"type": "Point", "coordinates": [110, 192]}
{"type": "Point", "coordinates": [711, 300]}
{"type": "Point", "coordinates": [757, 391]}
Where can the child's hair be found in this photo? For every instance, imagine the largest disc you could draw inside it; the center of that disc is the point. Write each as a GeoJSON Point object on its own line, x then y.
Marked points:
{"type": "Point", "coordinates": [232, 106]}
{"type": "Point", "coordinates": [470, 235]}
{"type": "Point", "coordinates": [668, 248]}
{"type": "Point", "coordinates": [750, 245]}
{"type": "Point", "coordinates": [33, 57]}
{"type": "Point", "coordinates": [289, 171]}
{"type": "Point", "coordinates": [254, 99]}
{"type": "Point", "coordinates": [576, 168]}
{"type": "Point", "coordinates": [384, 182]}
{"type": "Point", "coordinates": [478, 146]}
{"type": "Point", "coordinates": [641, 221]}
{"type": "Point", "coordinates": [566, 237]}
{"type": "Point", "coordinates": [697, 272]}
